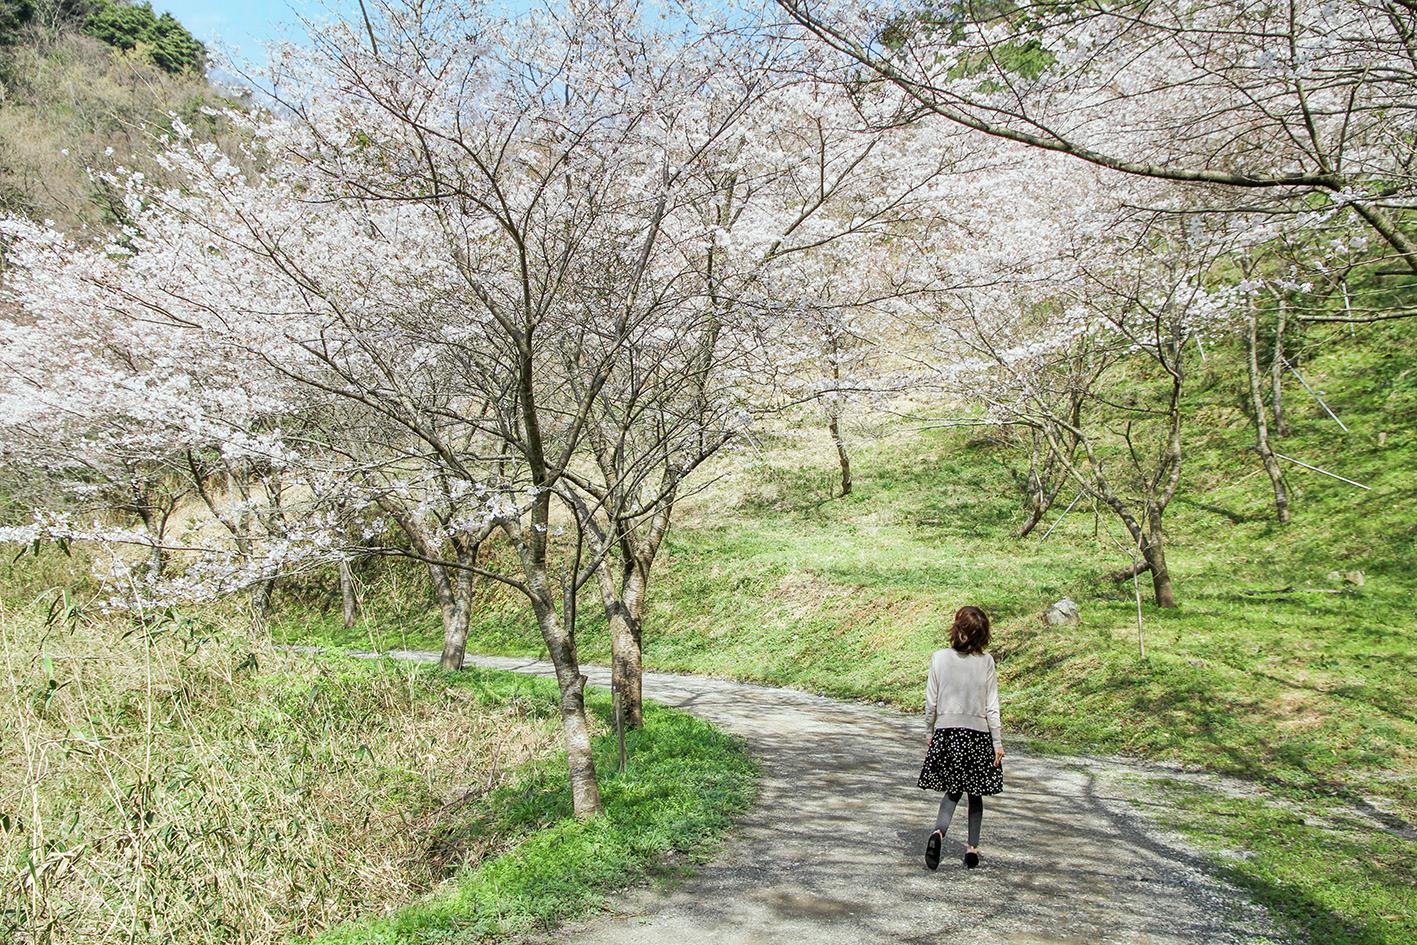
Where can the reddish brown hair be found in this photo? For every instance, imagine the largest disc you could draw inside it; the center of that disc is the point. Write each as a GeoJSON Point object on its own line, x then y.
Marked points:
{"type": "Point", "coordinates": [970, 631]}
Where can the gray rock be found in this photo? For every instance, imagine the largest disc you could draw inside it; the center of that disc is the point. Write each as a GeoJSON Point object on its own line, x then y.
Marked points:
{"type": "Point", "coordinates": [1064, 612]}
{"type": "Point", "coordinates": [1353, 577]}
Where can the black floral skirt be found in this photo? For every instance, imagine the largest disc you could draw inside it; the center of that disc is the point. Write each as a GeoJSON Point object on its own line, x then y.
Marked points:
{"type": "Point", "coordinates": [961, 760]}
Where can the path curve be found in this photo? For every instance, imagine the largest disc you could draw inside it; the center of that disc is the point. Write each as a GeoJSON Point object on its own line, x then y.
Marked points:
{"type": "Point", "coordinates": [832, 851]}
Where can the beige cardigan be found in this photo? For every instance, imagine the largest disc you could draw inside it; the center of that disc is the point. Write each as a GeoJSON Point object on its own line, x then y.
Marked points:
{"type": "Point", "coordinates": [963, 692]}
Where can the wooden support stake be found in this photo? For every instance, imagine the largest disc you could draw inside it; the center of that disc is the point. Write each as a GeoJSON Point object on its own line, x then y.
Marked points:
{"type": "Point", "coordinates": [620, 728]}
{"type": "Point", "coordinates": [1061, 517]}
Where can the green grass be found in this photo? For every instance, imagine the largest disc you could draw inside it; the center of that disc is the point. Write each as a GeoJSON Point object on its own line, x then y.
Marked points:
{"type": "Point", "coordinates": [684, 782]}
{"type": "Point", "coordinates": [1324, 871]}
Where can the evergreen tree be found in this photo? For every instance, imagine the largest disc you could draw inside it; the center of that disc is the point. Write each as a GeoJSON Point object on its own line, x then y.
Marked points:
{"type": "Point", "coordinates": [161, 39]}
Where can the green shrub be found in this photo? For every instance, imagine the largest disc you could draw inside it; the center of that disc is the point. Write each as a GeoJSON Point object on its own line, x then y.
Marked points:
{"type": "Point", "coordinates": [164, 41]}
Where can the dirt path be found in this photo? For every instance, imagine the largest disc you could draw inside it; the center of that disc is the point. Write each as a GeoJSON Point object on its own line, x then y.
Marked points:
{"type": "Point", "coordinates": [832, 852]}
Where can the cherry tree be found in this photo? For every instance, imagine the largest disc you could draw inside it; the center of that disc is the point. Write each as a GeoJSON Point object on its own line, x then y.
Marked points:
{"type": "Point", "coordinates": [781, 222]}
{"type": "Point", "coordinates": [118, 416]}
{"type": "Point", "coordinates": [676, 179]}
{"type": "Point", "coordinates": [559, 161]}
{"type": "Point", "coordinates": [836, 348]}
{"type": "Point", "coordinates": [377, 476]}
{"type": "Point", "coordinates": [1082, 334]}
{"type": "Point", "coordinates": [334, 298]}
{"type": "Point", "coordinates": [1264, 106]}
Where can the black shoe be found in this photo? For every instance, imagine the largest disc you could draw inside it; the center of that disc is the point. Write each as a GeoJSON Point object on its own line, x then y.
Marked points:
{"type": "Point", "coordinates": [971, 860]}
{"type": "Point", "coordinates": [932, 850]}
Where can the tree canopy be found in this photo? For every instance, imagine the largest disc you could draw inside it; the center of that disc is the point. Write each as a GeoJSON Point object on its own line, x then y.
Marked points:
{"type": "Point", "coordinates": [161, 38]}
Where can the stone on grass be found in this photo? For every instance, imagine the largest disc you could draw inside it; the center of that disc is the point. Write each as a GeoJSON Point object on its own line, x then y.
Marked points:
{"type": "Point", "coordinates": [1063, 612]}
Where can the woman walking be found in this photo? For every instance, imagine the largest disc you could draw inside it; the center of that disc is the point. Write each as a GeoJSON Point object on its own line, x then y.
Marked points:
{"type": "Point", "coordinates": [964, 748]}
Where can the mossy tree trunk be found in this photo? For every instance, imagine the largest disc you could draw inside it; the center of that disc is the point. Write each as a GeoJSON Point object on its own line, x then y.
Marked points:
{"type": "Point", "coordinates": [624, 611]}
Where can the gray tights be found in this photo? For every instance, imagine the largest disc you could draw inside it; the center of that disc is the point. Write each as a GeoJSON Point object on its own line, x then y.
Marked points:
{"type": "Point", "coordinates": [947, 812]}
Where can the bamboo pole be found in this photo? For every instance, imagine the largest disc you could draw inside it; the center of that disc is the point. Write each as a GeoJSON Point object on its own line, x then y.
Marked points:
{"type": "Point", "coordinates": [1061, 517]}
{"type": "Point", "coordinates": [1315, 394]}
{"type": "Point", "coordinates": [1298, 462]}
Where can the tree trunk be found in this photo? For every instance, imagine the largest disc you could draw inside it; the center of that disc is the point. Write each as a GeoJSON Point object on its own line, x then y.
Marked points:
{"type": "Point", "coordinates": [1043, 466]}
{"type": "Point", "coordinates": [1033, 488]}
{"type": "Point", "coordinates": [455, 626]}
{"type": "Point", "coordinates": [454, 597]}
{"type": "Point", "coordinates": [1040, 501]}
{"type": "Point", "coordinates": [1276, 373]}
{"type": "Point", "coordinates": [624, 613]}
{"type": "Point", "coordinates": [1271, 465]}
{"type": "Point", "coordinates": [442, 590]}
{"type": "Point", "coordinates": [348, 598]}
{"type": "Point", "coordinates": [261, 603]}
{"type": "Point", "coordinates": [627, 668]}
{"type": "Point", "coordinates": [1153, 549]}
{"type": "Point", "coordinates": [155, 523]}
{"type": "Point", "coordinates": [585, 788]}
{"type": "Point", "coordinates": [834, 423]}
{"type": "Point", "coordinates": [834, 418]}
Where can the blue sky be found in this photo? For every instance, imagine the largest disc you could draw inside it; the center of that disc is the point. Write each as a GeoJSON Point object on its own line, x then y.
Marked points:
{"type": "Point", "coordinates": [243, 25]}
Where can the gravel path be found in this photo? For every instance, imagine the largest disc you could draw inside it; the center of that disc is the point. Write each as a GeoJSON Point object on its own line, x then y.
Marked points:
{"type": "Point", "coordinates": [832, 852]}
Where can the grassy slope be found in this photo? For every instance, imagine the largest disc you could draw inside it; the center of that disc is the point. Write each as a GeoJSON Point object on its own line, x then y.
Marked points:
{"type": "Point", "coordinates": [684, 782]}
{"type": "Point", "coordinates": [263, 793]}
{"type": "Point", "coordinates": [1311, 695]}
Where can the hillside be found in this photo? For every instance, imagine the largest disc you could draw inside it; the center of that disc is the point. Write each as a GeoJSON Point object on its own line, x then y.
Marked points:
{"type": "Point", "coordinates": [1270, 670]}
{"type": "Point", "coordinates": [87, 84]}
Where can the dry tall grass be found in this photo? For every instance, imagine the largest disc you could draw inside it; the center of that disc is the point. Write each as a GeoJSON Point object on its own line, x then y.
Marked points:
{"type": "Point", "coordinates": [166, 781]}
